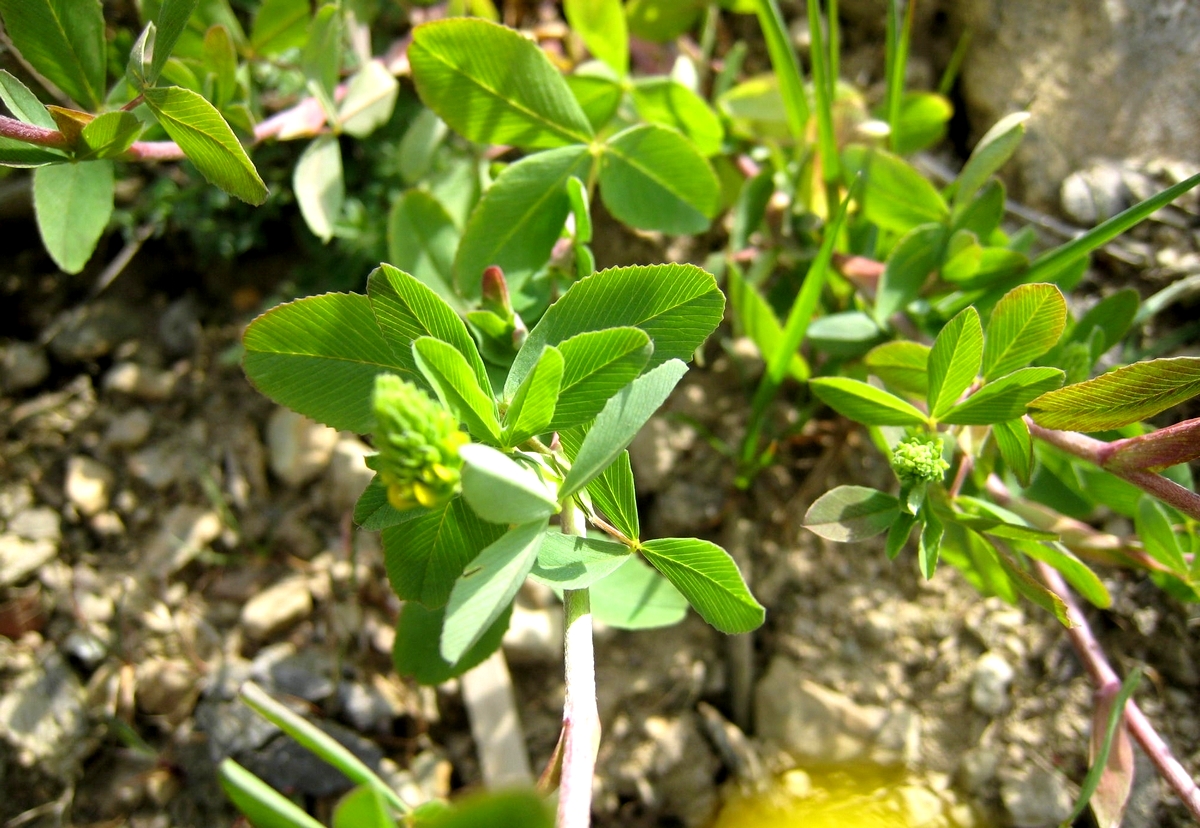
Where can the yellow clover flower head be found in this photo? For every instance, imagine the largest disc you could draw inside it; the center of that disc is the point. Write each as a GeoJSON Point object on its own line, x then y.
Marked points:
{"type": "Point", "coordinates": [418, 441]}
{"type": "Point", "coordinates": [919, 460]}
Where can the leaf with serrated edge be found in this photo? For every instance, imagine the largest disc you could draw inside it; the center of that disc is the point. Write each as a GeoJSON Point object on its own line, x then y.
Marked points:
{"type": "Point", "coordinates": [636, 597]}
{"type": "Point", "coordinates": [500, 490]}
{"type": "Point", "coordinates": [494, 86]}
{"type": "Point", "coordinates": [425, 556]}
{"type": "Point", "coordinates": [1004, 398]}
{"type": "Point", "coordinates": [64, 41]}
{"type": "Point", "coordinates": [319, 356]}
{"type": "Point", "coordinates": [406, 310]}
{"type": "Point", "coordinates": [852, 513]}
{"type": "Point", "coordinates": [596, 365]}
{"type": "Point", "coordinates": [1033, 589]}
{"type": "Point", "coordinates": [677, 305]}
{"type": "Point", "coordinates": [22, 103]}
{"type": "Point", "coordinates": [533, 407]}
{"type": "Point", "coordinates": [417, 653]}
{"type": "Point", "coordinates": [1016, 447]}
{"type": "Point", "coordinates": [865, 403]}
{"type": "Point", "coordinates": [487, 586]}
{"type": "Point", "coordinates": [457, 387]}
{"type": "Point", "coordinates": [902, 364]}
{"type": "Point", "coordinates": [572, 562]}
{"type": "Point", "coordinates": [614, 494]}
{"type": "Point", "coordinates": [1118, 398]}
{"type": "Point", "coordinates": [710, 580]}
{"type": "Point", "coordinates": [896, 196]}
{"type": "Point", "coordinates": [108, 135]}
{"type": "Point", "coordinates": [954, 360]}
{"type": "Point", "coordinates": [619, 422]}
{"type": "Point", "coordinates": [520, 217]}
{"type": "Point", "coordinates": [601, 24]}
{"type": "Point", "coordinates": [1025, 324]}
{"type": "Point", "coordinates": [172, 20]}
{"type": "Point", "coordinates": [1076, 573]}
{"type": "Point", "coordinates": [72, 203]}
{"type": "Point", "coordinates": [653, 178]}
{"type": "Point", "coordinates": [207, 141]}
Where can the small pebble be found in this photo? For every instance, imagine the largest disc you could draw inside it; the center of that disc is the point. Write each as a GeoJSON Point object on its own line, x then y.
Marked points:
{"type": "Point", "coordinates": [88, 484]}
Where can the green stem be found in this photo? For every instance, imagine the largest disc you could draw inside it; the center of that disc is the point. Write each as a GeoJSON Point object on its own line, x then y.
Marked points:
{"type": "Point", "coordinates": [581, 718]}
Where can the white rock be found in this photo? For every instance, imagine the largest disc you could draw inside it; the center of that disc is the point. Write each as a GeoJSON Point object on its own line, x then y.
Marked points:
{"type": "Point", "coordinates": [20, 558]}
{"type": "Point", "coordinates": [185, 532]}
{"type": "Point", "coordinates": [348, 472]}
{"type": "Point", "coordinates": [655, 450]}
{"type": "Point", "coordinates": [158, 466]}
{"type": "Point", "coordinates": [299, 449]}
{"type": "Point", "coordinates": [1036, 797]}
{"type": "Point", "coordinates": [534, 634]}
{"type": "Point", "coordinates": [42, 717]}
{"type": "Point", "coordinates": [88, 484]}
{"type": "Point", "coordinates": [989, 684]}
{"type": "Point", "coordinates": [922, 807]}
{"type": "Point", "coordinates": [129, 430]}
{"type": "Point", "coordinates": [166, 686]}
{"type": "Point", "coordinates": [42, 523]}
{"type": "Point", "coordinates": [140, 381]}
{"type": "Point", "coordinates": [276, 608]}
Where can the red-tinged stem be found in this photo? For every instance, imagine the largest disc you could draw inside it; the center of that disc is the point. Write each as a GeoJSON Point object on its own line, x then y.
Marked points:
{"type": "Point", "coordinates": [1179, 443]}
{"type": "Point", "coordinates": [1106, 680]}
{"type": "Point", "coordinates": [1097, 451]}
{"type": "Point", "coordinates": [581, 718]}
{"type": "Point", "coordinates": [31, 134]}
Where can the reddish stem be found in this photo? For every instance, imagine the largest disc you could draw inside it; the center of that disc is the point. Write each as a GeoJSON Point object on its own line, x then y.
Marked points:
{"type": "Point", "coordinates": [31, 134]}
{"type": "Point", "coordinates": [1106, 680]}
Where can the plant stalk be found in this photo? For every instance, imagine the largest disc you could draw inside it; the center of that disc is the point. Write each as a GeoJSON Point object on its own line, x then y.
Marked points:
{"type": "Point", "coordinates": [31, 134]}
{"type": "Point", "coordinates": [1098, 452]}
{"type": "Point", "coordinates": [1106, 680]}
{"type": "Point", "coordinates": [581, 718]}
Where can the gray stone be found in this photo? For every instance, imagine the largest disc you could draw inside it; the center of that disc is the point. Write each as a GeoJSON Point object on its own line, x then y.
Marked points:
{"type": "Point", "coordinates": [42, 717]}
{"type": "Point", "coordinates": [977, 769]}
{"type": "Point", "coordinates": [655, 451]}
{"type": "Point", "coordinates": [86, 648]}
{"type": "Point", "coordinates": [41, 523]}
{"type": "Point", "coordinates": [365, 707]}
{"type": "Point", "coordinates": [1117, 79]}
{"type": "Point", "coordinates": [129, 430]}
{"type": "Point", "coordinates": [158, 466]}
{"type": "Point", "coordinates": [277, 607]}
{"type": "Point", "coordinates": [185, 532]}
{"type": "Point", "coordinates": [990, 682]}
{"type": "Point", "coordinates": [1036, 797]}
{"type": "Point", "coordinates": [292, 768]}
{"type": "Point", "coordinates": [167, 687]}
{"type": "Point", "coordinates": [23, 365]}
{"type": "Point", "coordinates": [307, 675]}
{"type": "Point", "coordinates": [819, 725]}
{"type": "Point", "coordinates": [179, 327]}
{"type": "Point", "coordinates": [298, 448]}
{"type": "Point", "coordinates": [20, 558]}
{"type": "Point", "coordinates": [92, 331]}
{"type": "Point", "coordinates": [88, 484]}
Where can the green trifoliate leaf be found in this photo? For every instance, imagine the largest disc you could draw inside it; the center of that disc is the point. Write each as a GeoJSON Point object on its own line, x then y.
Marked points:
{"type": "Point", "coordinates": [64, 41]}
{"type": "Point", "coordinates": [172, 20]}
{"type": "Point", "coordinates": [901, 364]}
{"type": "Point", "coordinates": [207, 141]}
{"type": "Point", "coordinates": [598, 93]}
{"type": "Point", "coordinates": [709, 579]}
{"type": "Point", "coordinates": [865, 403]}
{"type": "Point", "coordinates": [73, 203]}
{"type": "Point", "coordinates": [1026, 323]}
{"type": "Point", "coordinates": [1158, 536]}
{"type": "Point", "coordinates": [845, 334]}
{"type": "Point", "coordinates": [487, 587]}
{"type": "Point", "coordinates": [917, 459]}
{"type": "Point", "coordinates": [500, 490]}
{"type": "Point", "coordinates": [1082, 579]}
{"type": "Point", "coordinates": [1033, 589]}
{"type": "Point", "coordinates": [596, 365]}
{"type": "Point", "coordinates": [321, 57]}
{"type": "Point", "coordinates": [1016, 447]}
{"type": "Point", "coordinates": [898, 533]}
{"type": "Point", "coordinates": [22, 103]}
{"type": "Point", "coordinates": [852, 513]}
{"type": "Point", "coordinates": [417, 651]}
{"type": "Point", "coordinates": [533, 406]}
{"type": "Point", "coordinates": [369, 100]}
{"type": "Point", "coordinates": [319, 356]}
{"type": "Point", "coordinates": [1118, 398]}
{"type": "Point", "coordinates": [908, 266]}
{"type": "Point", "coordinates": [494, 86]}
{"type": "Point", "coordinates": [653, 178]}
{"type": "Point", "coordinates": [677, 306]}
{"type": "Point", "coordinates": [422, 240]}
{"type": "Point", "coordinates": [954, 361]}
{"type": "Point", "coordinates": [580, 209]}
{"type": "Point", "coordinates": [425, 556]}
{"type": "Point", "coordinates": [614, 495]}
{"type": "Point", "coordinates": [1005, 398]}
{"type": "Point", "coordinates": [448, 371]}
{"type": "Point", "coordinates": [418, 442]}
{"type": "Point", "coordinates": [636, 597]}
{"type": "Point", "coordinates": [669, 103]}
{"type": "Point", "coordinates": [989, 155]}
{"type": "Point", "coordinates": [572, 562]}
{"type": "Point", "coordinates": [520, 217]}
{"type": "Point", "coordinates": [619, 422]}
{"type": "Point", "coordinates": [108, 135]}
{"type": "Point", "coordinates": [930, 544]}
{"type": "Point", "coordinates": [279, 25]}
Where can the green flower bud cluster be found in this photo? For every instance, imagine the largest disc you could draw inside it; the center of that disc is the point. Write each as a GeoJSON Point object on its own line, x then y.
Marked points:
{"type": "Point", "coordinates": [919, 460]}
{"type": "Point", "coordinates": [418, 442]}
